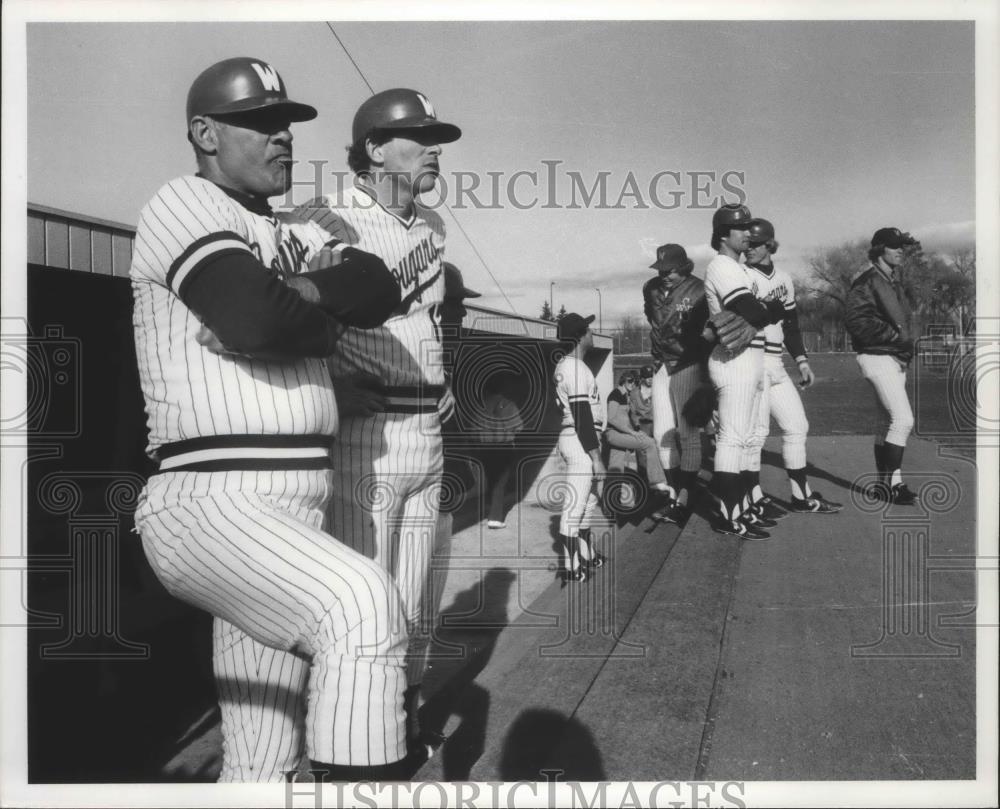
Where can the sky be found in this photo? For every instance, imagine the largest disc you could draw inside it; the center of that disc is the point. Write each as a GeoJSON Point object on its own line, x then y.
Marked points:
{"type": "Point", "coordinates": [830, 129]}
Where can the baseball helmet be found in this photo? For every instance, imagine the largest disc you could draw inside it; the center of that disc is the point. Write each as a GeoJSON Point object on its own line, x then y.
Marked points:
{"type": "Point", "coordinates": [761, 231]}
{"type": "Point", "coordinates": [401, 108]}
{"type": "Point", "coordinates": [731, 216]}
{"type": "Point", "coordinates": [242, 84]}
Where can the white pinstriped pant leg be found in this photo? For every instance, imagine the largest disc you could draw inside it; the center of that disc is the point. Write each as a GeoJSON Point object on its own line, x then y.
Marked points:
{"type": "Point", "coordinates": [664, 423]}
{"type": "Point", "coordinates": [887, 377]}
{"type": "Point", "coordinates": [262, 704]}
{"type": "Point", "coordinates": [738, 382]}
{"type": "Point", "coordinates": [387, 492]}
{"type": "Point", "coordinates": [231, 543]}
{"type": "Point", "coordinates": [579, 501]}
{"type": "Point", "coordinates": [762, 422]}
{"type": "Point", "coordinates": [787, 410]}
{"type": "Point", "coordinates": [683, 384]}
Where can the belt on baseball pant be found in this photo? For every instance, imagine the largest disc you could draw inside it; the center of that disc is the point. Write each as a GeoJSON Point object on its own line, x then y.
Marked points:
{"type": "Point", "coordinates": [772, 348]}
{"type": "Point", "coordinates": [233, 453]}
{"type": "Point", "coordinates": [413, 398]}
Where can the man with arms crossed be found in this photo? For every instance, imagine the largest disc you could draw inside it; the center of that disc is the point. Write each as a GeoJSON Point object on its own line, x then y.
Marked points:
{"type": "Point", "coordinates": [241, 413]}
{"type": "Point", "coordinates": [388, 464]}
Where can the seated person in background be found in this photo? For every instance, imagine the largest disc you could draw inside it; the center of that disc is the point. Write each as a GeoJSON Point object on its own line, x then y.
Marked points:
{"type": "Point", "coordinates": [621, 435]}
{"type": "Point", "coordinates": [640, 401]}
{"type": "Point", "coordinates": [501, 422]}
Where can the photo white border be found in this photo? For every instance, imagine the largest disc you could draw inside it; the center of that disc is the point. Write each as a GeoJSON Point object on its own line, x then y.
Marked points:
{"type": "Point", "coordinates": [16, 13]}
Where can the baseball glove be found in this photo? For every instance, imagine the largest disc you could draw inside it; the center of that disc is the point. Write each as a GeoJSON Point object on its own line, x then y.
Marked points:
{"type": "Point", "coordinates": [697, 410]}
{"type": "Point", "coordinates": [731, 331]}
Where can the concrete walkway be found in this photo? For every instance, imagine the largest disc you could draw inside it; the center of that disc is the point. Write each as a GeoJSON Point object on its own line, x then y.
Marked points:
{"type": "Point", "coordinates": [842, 648]}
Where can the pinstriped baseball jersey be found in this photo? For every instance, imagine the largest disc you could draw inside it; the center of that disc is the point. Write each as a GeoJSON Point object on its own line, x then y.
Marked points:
{"type": "Point", "coordinates": [406, 350]}
{"type": "Point", "coordinates": [576, 383]}
{"type": "Point", "coordinates": [725, 280]}
{"type": "Point", "coordinates": [190, 392]}
{"type": "Point", "coordinates": [769, 286]}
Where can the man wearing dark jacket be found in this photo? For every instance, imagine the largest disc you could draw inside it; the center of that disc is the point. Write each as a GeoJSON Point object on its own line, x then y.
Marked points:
{"type": "Point", "coordinates": [674, 304]}
{"type": "Point", "coordinates": [878, 320]}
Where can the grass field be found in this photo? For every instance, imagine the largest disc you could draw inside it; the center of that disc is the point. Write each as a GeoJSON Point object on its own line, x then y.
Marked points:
{"type": "Point", "coordinates": [841, 401]}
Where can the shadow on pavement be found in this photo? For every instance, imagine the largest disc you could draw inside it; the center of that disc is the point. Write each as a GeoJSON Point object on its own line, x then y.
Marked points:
{"type": "Point", "coordinates": [565, 745]}
{"type": "Point", "coordinates": [470, 626]}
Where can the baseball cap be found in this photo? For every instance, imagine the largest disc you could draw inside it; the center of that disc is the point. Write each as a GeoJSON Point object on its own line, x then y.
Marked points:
{"type": "Point", "coordinates": [454, 285]}
{"type": "Point", "coordinates": [573, 326]}
{"type": "Point", "coordinates": [646, 372]}
{"type": "Point", "coordinates": [892, 238]}
{"type": "Point", "coordinates": [670, 257]}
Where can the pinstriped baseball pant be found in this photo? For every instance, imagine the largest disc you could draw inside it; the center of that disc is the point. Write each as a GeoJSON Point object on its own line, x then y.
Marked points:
{"type": "Point", "coordinates": [679, 443]}
{"type": "Point", "coordinates": [887, 376]}
{"type": "Point", "coordinates": [781, 400]}
{"type": "Point", "coordinates": [386, 498]}
{"type": "Point", "coordinates": [292, 604]}
{"type": "Point", "coordinates": [579, 501]}
{"type": "Point", "coordinates": [739, 383]}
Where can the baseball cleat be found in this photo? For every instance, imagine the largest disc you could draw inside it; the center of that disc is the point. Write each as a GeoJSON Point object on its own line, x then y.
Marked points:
{"type": "Point", "coordinates": [814, 504]}
{"type": "Point", "coordinates": [595, 561]}
{"type": "Point", "coordinates": [902, 495]}
{"type": "Point", "coordinates": [741, 530]}
{"type": "Point", "coordinates": [770, 509]}
{"type": "Point", "coordinates": [754, 516]}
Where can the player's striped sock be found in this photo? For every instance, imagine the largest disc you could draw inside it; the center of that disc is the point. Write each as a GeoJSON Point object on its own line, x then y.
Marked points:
{"type": "Point", "coordinates": [892, 457]}
{"type": "Point", "coordinates": [799, 484]}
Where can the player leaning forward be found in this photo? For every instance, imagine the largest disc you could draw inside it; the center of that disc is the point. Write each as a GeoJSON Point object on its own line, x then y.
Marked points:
{"type": "Point", "coordinates": [388, 464]}
{"type": "Point", "coordinates": [738, 375]}
{"type": "Point", "coordinates": [240, 413]}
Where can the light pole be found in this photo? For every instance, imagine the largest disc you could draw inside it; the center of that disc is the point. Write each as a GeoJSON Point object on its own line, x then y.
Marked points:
{"type": "Point", "coordinates": [551, 310]}
{"type": "Point", "coordinates": [600, 307]}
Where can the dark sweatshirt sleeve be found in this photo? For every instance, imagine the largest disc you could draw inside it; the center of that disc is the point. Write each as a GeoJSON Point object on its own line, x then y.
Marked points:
{"type": "Point", "coordinates": [793, 335]}
{"type": "Point", "coordinates": [252, 312]}
{"type": "Point", "coordinates": [583, 421]}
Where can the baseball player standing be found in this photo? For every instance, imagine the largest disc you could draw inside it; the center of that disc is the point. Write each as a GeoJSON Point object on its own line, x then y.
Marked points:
{"type": "Point", "coordinates": [241, 414]}
{"type": "Point", "coordinates": [674, 303]}
{"type": "Point", "coordinates": [878, 320]}
{"type": "Point", "coordinates": [579, 446]}
{"type": "Point", "coordinates": [736, 375]}
{"type": "Point", "coordinates": [388, 464]}
{"type": "Point", "coordinates": [780, 398]}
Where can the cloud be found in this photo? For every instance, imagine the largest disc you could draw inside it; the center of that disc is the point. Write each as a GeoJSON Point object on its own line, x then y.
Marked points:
{"type": "Point", "coordinates": [945, 237]}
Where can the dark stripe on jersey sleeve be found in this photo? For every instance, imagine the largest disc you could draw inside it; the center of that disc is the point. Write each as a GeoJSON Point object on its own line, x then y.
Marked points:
{"type": "Point", "coordinates": [253, 313]}
{"type": "Point", "coordinates": [793, 335]}
{"type": "Point", "coordinates": [583, 421]}
{"type": "Point", "coordinates": [753, 311]}
{"type": "Point", "coordinates": [210, 255]}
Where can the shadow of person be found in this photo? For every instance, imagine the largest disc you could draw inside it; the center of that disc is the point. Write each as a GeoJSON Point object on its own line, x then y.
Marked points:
{"type": "Point", "coordinates": [813, 472]}
{"type": "Point", "coordinates": [462, 646]}
{"type": "Point", "coordinates": [544, 739]}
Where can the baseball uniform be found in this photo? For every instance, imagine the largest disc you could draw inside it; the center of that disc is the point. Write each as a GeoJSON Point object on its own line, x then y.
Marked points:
{"type": "Point", "coordinates": [232, 521]}
{"type": "Point", "coordinates": [387, 467]}
{"type": "Point", "coordinates": [575, 385]}
{"type": "Point", "coordinates": [781, 396]}
{"type": "Point", "coordinates": [738, 378]}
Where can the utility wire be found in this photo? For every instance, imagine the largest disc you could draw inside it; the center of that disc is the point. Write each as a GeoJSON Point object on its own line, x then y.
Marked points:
{"type": "Point", "coordinates": [450, 211]}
